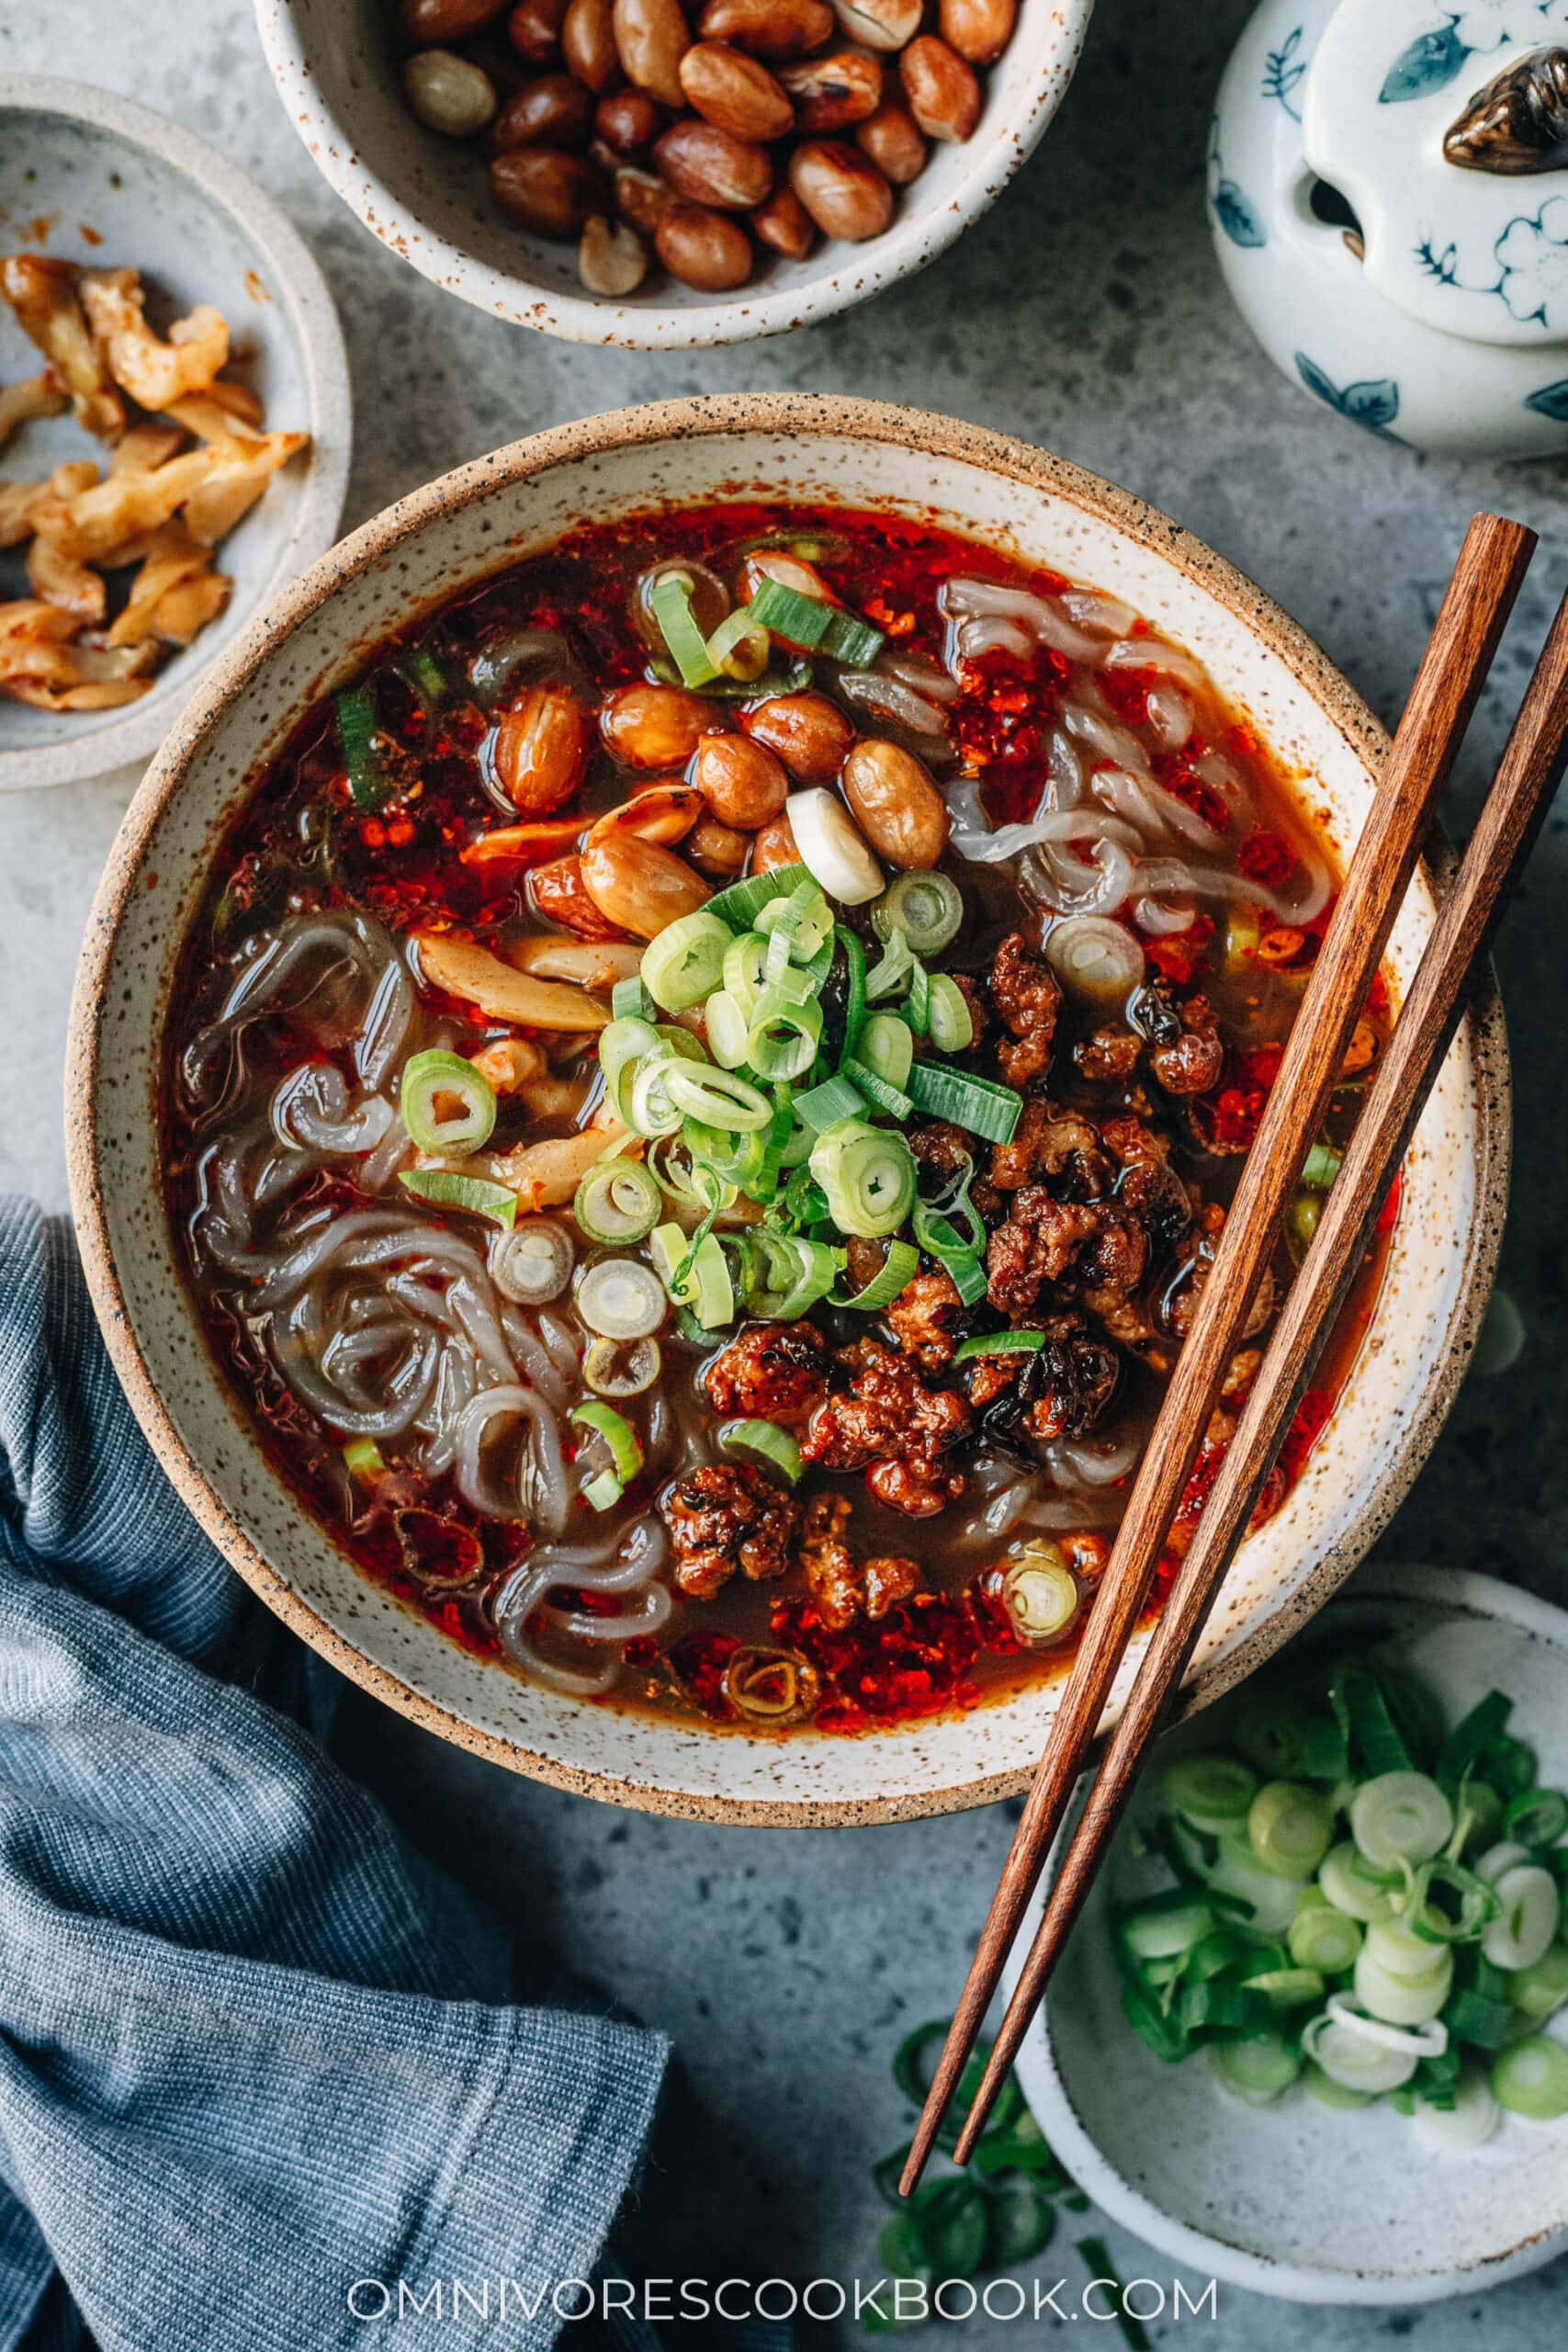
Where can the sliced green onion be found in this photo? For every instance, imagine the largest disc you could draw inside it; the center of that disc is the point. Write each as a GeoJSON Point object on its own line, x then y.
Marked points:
{"type": "Point", "coordinates": [740, 905]}
{"type": "Point", "coordinates": [886, 1047]}
{"type": "Point", "coordinates": [948, 1018]}
{"type": "Point", "coordinates": [746, 968]}
{"type": "Point", "coordinates": [685, 961]}
{"type": "Point", "coordinates": [1213, 1791]}
{"type": "Point", "coordinates": [737, 648]}
{"type": "Point", "coordinates": [783, 1038]}
{"type": "Point", "coordinates": [428, 1076]}
{"type": "Point", "coordinates": [533, 1262]}
{"type": "Point", "coordinates": [369, 782]}
{"type": "Point", "coordinates": [425, 676]}
{"type": "Point", "coordinates": [647, 1104]}
{"type": "Point", "coordinates": [1039, 1592]}
{"type": "Point", "coordinates": [1217, 2008]}
{"type": "Point", "coordinates": [1403, 2000]}
{"type": "Point", "coordinates": [1471, 1902]}
{"type": "Point", "coordinates": [615, 1368]}
{"type": "Point", "coordinates": [1539, 1990]}
{"type": "Point", "coordinates": [927, 908]}
{"type": "Point", "coordinates": [1478, 1816]}
{"type": "Point", "coordinates": [824, 1106]}
{"type": "Point", "coordinates": [959, 1263]}
{"type": "Point", "coordinates": [1321, 1937]}
{"type": "Point", "coordinates": [1510, 1766]}
{"type": "Point", "coordinates": [891, 971]}
{"type": "Point", "coordinates": [999, 1343]}
{"type": "Point", "coordinates": [1320, 1167]}
{"type": "Point", "coordinates": [897, 1271]}
{"type": "Point", "coordinates": [796, 927]}
{"type": "Point", "coordinates": [1369, 1720]}
{"type": "Point", "coordinates": [363, 1460]}
{"type": "Point", "coordinates": [1400, 1816]}
{"type": "Point", "coordinates": [1468, 2123]}
{"type": "Point", "coordinates": [1537, 1817]}
{"type": "Point", "coordinates": [1290, 1828]}
{"type": "Point", "coordinates": [790, 1274]}
{"type": "Point", "coordinates": [1166, 1928]}
{"type": "Point", "coordinates": [763, 1442]}
{"type": "Point", "coordinates": [1354, 2059]}
{"type": "Point", "coordinates": [1526, 1921]}
{"type": "Point", "coordinates": [850, 641]}
{"type": "Point", "coordinates": [629, 1000]}
{"type": "Point", "coordinates": [917, 1009]}
{"type": "Point", "coordinates": [725, 1025]}
{"type": "Point", "coordinates": [808, 621]}
{"type": "Point", "coordinates": [444, 1188]}
{"type": "Point", "coordinates": [1475, 2017]}
{"type": "Point", "coordinates": [848, 945]}
{"type": "Point", "coordinates": [868, 1174]}
{"type": "Point", "coordinates": [1354, 1887]}
{"type": "Point", "coordinates": [626, 1450]}
{"type": "Point", "coordinates": [891, 1101]}
{"type": "Point", "coordinates": [604, 1491]}
{"type": "Point", "coordinates": [1286, 1989]}
{"type": "Point", "coordinates": [670, 604]}
{"type": "Point", "coordinates": [718, 1098]}
{"type": "Point", "coordinates": [977, 1104]}
{"type": "Point", "coordinates": [617, 1200]}
{"type": "Point", "coordinates": [1259, 2069]}
{"type": "Point", "coordinates": [1470, 1738]}
{"type": "Point", "coordinates": [620, 1299]}
{"type": "Point", "coordinates": [1394, 1945]}
{"type": "Point", "coordinates": [1532, 2079]}
{"type": "Point", "coordinates": [626, 1040]}
{"type": "Point", "coordinates": [1332, 2094]}
{"type": "Point", "coordinates": [706, 1286]}
{"type": "Point", "coordinates": [1235, 1871]}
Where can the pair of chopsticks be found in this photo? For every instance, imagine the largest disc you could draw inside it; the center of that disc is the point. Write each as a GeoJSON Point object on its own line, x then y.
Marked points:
{"type": "Point", "coordinates": [1480, 596]}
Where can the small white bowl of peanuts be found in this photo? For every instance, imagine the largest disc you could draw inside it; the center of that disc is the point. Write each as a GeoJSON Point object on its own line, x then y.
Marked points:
{"type": "Point", "coordinates": [667, 174]}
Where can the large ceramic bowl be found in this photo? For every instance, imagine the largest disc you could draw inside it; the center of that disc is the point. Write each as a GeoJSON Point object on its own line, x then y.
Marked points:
{"type": "Point", "coordinates": [88, 178]}
{"type": "Point", "coordinates": [1301, 2201]}
{"type": "Point", "coordinates": [493, 512]}
{"type": "Point", "coordinates": [335, 65]}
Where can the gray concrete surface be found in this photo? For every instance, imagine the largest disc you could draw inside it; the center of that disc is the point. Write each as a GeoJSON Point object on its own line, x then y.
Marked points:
{"type": "Point", "coordinates": [1085, 313]}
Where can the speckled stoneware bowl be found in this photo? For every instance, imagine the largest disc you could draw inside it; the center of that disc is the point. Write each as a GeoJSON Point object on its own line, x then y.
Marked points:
{"type": "Point", "coordinates": [336, 66]}
{"type": "Point", "coordinates": [1297, 2200]}
{"type": "Point", "coordinates": [493, 512]}
{"type": "Point", "coordinates": [91, 178]}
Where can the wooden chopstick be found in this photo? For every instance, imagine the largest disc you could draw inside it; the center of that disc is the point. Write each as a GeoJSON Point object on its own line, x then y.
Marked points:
{"type": "Point", "coordinates": [1532, 768]}
{"type": "Point", "coordinates": [1475, 606]}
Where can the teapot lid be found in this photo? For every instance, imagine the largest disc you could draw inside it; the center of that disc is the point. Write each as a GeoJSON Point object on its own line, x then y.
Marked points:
{"type": "Point", "coordinates": [1445, 130]}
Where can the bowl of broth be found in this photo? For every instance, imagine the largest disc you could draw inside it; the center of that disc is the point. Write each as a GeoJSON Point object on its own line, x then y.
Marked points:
{"type": "Point", "coordinates": [656, 1070]}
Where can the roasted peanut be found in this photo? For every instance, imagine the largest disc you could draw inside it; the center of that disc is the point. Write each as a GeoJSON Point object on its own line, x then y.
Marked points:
{"type": "Point", "coordinates": [448, 93]}
{"type": "Point", "coordinates": [891, 137]}
{"type": "Point", "coordinates": [540, 749]}
{"type": "Point", "coordinates": [651, 38]}
{"type": "Point", "coordinates": [703, 248]}
{"type": "Point", "coordinates": [741, 781]}
{"type": "Point", "coordinates": [611, 258]}
{"type": "Point", "coordinates": [641, 198]}
{"type": "Point", "coordinates": [808, 733]}
{"type": "Point", "coordinates": [977, 30]}
{"type": "Point", "coordinates": [553, 110]}
{"type": "Point", "coordinates": [774, 845]}
{"type": "Point", "coordinates": [533, 30]}
{"type": "Point", "coordinates": [665, 812]}
{"type": "Point", "coordinates": [544, 190]}
{"type": "Point", "coordinates": [653, 727]}
{"type": "Point", "coordinates": [842, 189]}
{"type": "Point", "coordinates": [434, 24]}
{"type": "Point", "coordinates": [706, 165]}
{"type": "Point", "coordinates": [898, 808]}
{"type": "Point", "coordinates": [640, 887]}
{"type": "Point", "coordinates": [769, 29]}
{"type": "Point", "coordinates": [734, 91]}
{"type": "Point", "coordinates": [627, 121]}
{"type": "Point", "coordinates": [559, 896]}
{"type": "Point", "coordinates": [881, 24]}
{"type": "Point", "coordinates": [943, 96]}
{"type": "Point", "coordinates": [717, 849]}
{"type": "Point", "coordinates": [588, 44]}
{"type": "Point", "coordinates": [829, 92]}
{"type": "Point", "coordinates": [784, 224]}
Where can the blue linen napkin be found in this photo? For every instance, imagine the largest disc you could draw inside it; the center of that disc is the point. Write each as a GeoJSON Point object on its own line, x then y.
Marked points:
{"type": "Point", "coordinates": [252, 2047]}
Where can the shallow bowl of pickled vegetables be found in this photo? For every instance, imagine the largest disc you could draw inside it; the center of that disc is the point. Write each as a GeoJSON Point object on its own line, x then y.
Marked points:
{"type": "Point", "coordinates": [658, 1070]}
{"type": "Point", "coordinates": [1307, 2036]}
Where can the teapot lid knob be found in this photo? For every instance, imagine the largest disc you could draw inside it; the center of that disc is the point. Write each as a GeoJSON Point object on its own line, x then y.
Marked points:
{"type": "Point", "coordinates": [1445, 130]}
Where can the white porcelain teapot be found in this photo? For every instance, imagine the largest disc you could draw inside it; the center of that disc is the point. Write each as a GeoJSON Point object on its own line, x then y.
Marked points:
{"type": "Point", "coordinates": [1388, 181]}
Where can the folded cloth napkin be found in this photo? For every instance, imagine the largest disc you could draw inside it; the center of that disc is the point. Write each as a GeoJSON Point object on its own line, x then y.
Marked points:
{"type": "Point", "coordinates": [254, 2049]}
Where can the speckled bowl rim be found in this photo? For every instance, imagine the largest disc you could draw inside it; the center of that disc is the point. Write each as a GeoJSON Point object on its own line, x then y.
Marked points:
{"type": "Point", "coordinates": [828, 414]}
{"type": "Point", "coordinates": [1463, 1593]}
{"type": "Point", "coordinates": [306, 302]}
{"type": "Point", "coordinates": [997, 151]}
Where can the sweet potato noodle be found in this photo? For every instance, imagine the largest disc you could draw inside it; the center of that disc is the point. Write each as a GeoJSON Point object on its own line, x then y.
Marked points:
{"type": "Point", "coordinates": [703, 1096]}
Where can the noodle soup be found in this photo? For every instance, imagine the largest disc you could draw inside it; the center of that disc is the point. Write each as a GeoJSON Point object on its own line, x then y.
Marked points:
{"type": "Point", "coordinates": [704, 1090]}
